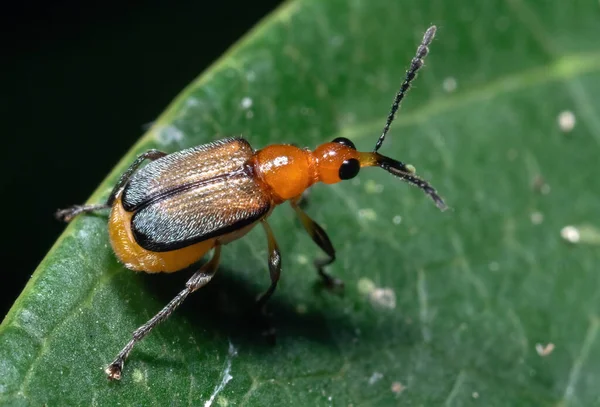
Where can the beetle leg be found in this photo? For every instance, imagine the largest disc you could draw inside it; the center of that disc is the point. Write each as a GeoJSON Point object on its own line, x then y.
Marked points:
{"type": "Point", "coordinates": [274, 265]}
{"type": "Point", "coordinates": [319, 236]}
{"type": "Point", "coordinates": [198, 280]}
{"type": "Point", "coordinates": [68, 214]}
{"type": "Point", "coordinates": [303, 200]}
{"type": "Point", "coordinates": [148, 155]}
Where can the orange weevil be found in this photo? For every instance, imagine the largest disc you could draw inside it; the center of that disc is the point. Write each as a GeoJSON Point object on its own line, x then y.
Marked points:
{"type": "Point", "coordinates": [167, 215]}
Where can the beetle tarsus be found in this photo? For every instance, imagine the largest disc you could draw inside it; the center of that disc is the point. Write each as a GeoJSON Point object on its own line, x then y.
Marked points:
{"type": "Point", "coordinates": [330, 282]}
{"type": "Point", "coordinates": [270, 334]}
{"type": "Point", "coordinates": [319, 236]}
{"type": "Point", "coordinates": [66, 215]}
{"type": "Point", "coordinates": [113, 371]}
{"type": "Point", "coordinates": [261, 319]}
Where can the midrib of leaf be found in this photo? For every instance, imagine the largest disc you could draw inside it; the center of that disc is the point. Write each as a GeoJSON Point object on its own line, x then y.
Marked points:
{"type": "Point", "coordinates": [582, 356]}
{"type": "Point", "coordinates": [562, 69]}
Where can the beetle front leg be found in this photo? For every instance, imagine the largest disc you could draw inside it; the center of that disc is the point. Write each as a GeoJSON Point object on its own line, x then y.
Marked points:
{"type": "Point", "coordinates": [319, 236]}
{"type": "Point", "coordinates": [198, 280]}
{"type": "Point", "coordinates": [66, 215]}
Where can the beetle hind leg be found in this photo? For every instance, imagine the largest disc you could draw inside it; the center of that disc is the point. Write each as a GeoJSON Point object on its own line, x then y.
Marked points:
{"type": "Point", "coordinates": [198, 280]}
{"type": "Point", "coordinates": [319, 236]}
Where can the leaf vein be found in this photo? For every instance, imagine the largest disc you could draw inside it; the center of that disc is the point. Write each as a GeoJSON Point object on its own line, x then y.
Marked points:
{"type": "Point", "coordinates": [590, 337]}
{"type": "Point", "coordinates": [566, 67]}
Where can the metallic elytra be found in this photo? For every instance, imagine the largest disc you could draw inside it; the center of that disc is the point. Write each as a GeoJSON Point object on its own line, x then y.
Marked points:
{"type": "Point", "coordinates": [166, 215]}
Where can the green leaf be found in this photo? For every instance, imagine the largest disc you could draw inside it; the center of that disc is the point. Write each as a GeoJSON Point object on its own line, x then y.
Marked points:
{"type": "Point", "coordinates": [454, 308]}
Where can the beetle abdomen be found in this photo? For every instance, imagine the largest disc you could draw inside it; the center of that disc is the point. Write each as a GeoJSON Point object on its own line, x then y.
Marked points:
{"type": "Point", "coordinates": [135, 257]}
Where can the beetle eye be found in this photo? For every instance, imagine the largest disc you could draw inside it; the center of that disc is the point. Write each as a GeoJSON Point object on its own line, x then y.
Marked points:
{"type": "Point", "coordinates": [349, 169]}
{"type": "Point", "coordinates": [344, 141]}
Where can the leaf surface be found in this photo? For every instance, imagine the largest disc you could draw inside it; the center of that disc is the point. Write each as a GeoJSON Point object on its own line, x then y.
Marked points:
{"type": "Point", "coordinates": [485, 304]}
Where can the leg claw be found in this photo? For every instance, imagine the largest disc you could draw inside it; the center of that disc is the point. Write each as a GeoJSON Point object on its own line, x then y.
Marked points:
{"type": "Point", "coordinates": [113, 371]}
{"type": "Point", "coordinates": [65, 215]}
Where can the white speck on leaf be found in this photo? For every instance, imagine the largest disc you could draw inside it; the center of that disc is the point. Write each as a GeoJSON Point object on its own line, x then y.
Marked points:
{"type": "Point", "coordinates": [232, 352]}
{"type": "Point", "coordinates": [544, 350]}
{"type": "Point", "coordinates": [540, 185]}
{"type": "Point", "coordinates": [367, 214]}
{"type": "Point", "coordinates": [570, 234]}
{"type": "Point", "coordinates": [537, 218]}
{"type": "Point", "coordinates": [375, 377]}
{"type": "Point", "coordinates": [246, 102]}
{"type": "Point", "coordinates": [168, 135]}
{"type": "Point", "coordinates": [585, 234]}
{"type": "Point", "coordinates": [302, 259]}
{"type": "Point", "coordinates": [566, 121]}
{"type": "Point", "coordinates": [383, 297]}
{"type": "Point", "coordinates": [397, 219]}
{"type": "Point", "coordinates": [371, 187]}
{"type": "Point", "coordinates": [380, 297]}
{"type": "Point", "coordinates": [192, 102]}
{"type": "Point", "coordinates": [475, 395]}
{"type": "Point", "coordinates": [138, 376]}
{"type": "Point", "coordinates": [398, 388]}
{"type": "Point", "coordinates": [450, 84]}
{"type": "Point", "coordinates": [366, 286]}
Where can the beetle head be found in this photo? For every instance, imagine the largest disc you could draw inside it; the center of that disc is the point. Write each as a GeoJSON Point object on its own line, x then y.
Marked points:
{"type": "Point", "coordinates": [339, 160]}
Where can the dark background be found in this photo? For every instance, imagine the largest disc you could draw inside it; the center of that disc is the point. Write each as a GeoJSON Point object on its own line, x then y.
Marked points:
{"type": "Point", "coordinates": [79, 82]}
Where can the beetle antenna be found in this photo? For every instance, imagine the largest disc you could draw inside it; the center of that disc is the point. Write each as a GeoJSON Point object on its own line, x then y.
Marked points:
{"type": "Point", "coordinates": [407, 174]}
{"type": "Point", "coordinates": [415, 65]}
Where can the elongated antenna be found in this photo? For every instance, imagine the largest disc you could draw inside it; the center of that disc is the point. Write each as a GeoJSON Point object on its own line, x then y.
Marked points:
{"type": "Point", "coordinates": [407, 174]}
{"type": "Point", "coordinates": [415, 65]}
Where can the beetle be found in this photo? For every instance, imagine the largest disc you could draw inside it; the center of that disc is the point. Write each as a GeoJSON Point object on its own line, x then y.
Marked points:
{"type": "Point", "coordinates": [166, 215]}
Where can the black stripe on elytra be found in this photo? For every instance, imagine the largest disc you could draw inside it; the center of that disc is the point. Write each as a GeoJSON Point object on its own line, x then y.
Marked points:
{"type": "Point", "coordinates": [145, 241]}
{"type": "Point", "coordinates": [174, 191]}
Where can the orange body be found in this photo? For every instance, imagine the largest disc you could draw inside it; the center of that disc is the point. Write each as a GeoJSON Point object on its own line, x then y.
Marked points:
{"type": "Point", "coordinates": [135, 257]}
{"type": "Point", "coordinates": [283, 172]}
